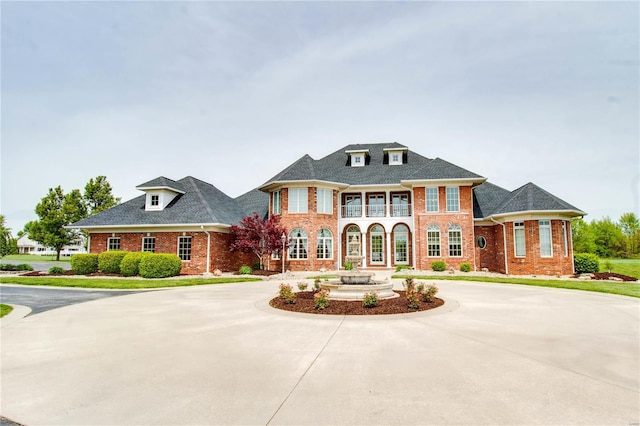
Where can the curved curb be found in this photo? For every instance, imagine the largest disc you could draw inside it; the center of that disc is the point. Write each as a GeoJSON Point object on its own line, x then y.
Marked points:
{"type": "Point", "coordinates": [19, 312]}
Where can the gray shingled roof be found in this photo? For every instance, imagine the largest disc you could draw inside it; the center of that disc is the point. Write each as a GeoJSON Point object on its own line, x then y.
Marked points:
{"type": "Point", "coordinates": [201, 203]}
{"type": "Point", "coordinates": [162, 182]}
{"type": "Point", "coordinates": [492, 200]}
{"type": "Point", "coordinates": [255, 201]}
{"type": "Point", "coordinates": [336, 167]}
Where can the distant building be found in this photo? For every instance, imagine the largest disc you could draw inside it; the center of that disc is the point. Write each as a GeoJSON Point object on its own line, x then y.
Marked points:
{"type": "Point", "coordinates": [400, 207]}
{"type": "Point", "coordinates": [28, 246]}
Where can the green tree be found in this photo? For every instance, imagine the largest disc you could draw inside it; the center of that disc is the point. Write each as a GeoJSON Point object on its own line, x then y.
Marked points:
{"type": "Point", "coordinates": [584, 239]}
{"type": "Point", "coordinates": [8, 244]}
{"type": "Point", "coordinates": [98, 195]}
{"type": "Point", "coordinates": [609, 238]}
{"type": "Point", "coordinates": [630, 226]}
{"type": "Point", "coordinates": [55, 211]}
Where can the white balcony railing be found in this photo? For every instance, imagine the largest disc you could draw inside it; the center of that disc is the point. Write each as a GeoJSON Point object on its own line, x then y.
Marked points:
{"type": "Point", "coordinates": [376, 210]}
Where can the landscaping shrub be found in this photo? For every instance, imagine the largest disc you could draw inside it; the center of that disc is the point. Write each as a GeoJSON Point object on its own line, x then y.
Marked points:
{"type": "Point", "coordinates": [302, 286]}
{"type": "Point", "coordinates": [438, 265]}
{"type": "Point", "coordinates": [7, 267]}
{"type": "Point", "coordinates": [130, 264]}
{"type": "Point", "coordinates": [109, 261]}
{"type": "Point", "coordinates": [402, 267]}
{"type": "Point", "coordinates": [370, 300]}
{"type": "Point", "coordinates": [412, 293]}
{"type": "Point", "coordinates": [159, 265]}
{"type": "Point", "coordinates": [286, 293]}
{"type": "Point", "coordinates": [316, 284]}
{"type": "Point", "coordinates": [24, 267]}
{"type": "Point", "coordinates": [428, 293]}
{"type": "Point", "coordinates": [348, 266]}
{"type": "Point", "coordinates": [321, 299]}
{"type": "Point", "coordinates": [465, 267]}
{"type": "Point", "coordinates": [83, 264]}
{"type": "Point", "coordinates": [56, 270]}
{"type": "Point", "coordinates": [586, 263]}
{"type": "Point", "coordinates": [245, 270]}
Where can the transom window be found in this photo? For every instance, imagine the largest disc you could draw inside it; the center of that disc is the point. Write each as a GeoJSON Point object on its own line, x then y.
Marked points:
{"type": "Point", "coordinates": [453, 199]}
{"type": "Point", "coordinates": [546, 247]}
{"type": "Point", "coordinates": [432, 199]}
{"type": "Point", "coordinates": [519, 245]}
{"type": "Point", "coordinates": [433, 241]}
{"type": "Point", "coordinates": [298, 200]}
{"type": "Point", "coordinates": [149, 244]}
{"type": "Point", "coordinates": [324, 247]}
{"type": "Point", "coordinates": [455, 241]}
{"type": "Point", "coordinates": [298, 244]}
{"type": "Point", "coordinates": [325, 200]}
{"type": "Point", "coordinates": [184, 248]}
{"type": "Point", "coordinates": [113, 243]}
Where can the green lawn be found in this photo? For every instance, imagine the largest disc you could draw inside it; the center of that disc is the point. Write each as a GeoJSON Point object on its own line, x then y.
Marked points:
{"type": "Point", "coordinates": [629, 267]}
{"type": "Point", "coordinates": [5, 310]}
{"type": "Point", "coordinates": [120, 283]}
{"type": "Point", "coordinates": [622, 288]}
{"type": "Point", "coordinates": [33, 258]}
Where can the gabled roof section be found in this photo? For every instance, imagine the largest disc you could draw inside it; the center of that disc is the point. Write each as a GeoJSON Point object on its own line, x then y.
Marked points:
{"type": "Point", "coordinates": [492, 201]}
{"type": "Point", "coordinates": [200, 203]}
{"type": "Point", "coordinates": [162, 183]}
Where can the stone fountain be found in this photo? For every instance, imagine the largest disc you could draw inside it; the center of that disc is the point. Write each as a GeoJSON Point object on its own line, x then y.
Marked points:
{"type": "Point", "coordinates": [354, 284]}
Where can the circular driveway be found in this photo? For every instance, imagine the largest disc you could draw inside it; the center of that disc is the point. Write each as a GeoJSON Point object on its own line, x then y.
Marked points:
{"type": "Point", "coordinates": [493, 354]}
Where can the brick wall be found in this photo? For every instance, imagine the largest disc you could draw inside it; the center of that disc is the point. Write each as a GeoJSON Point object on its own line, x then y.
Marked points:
{"type": "Point", "coordinates": [442, 218]}
{"type": "Point", "coordinates": [167, 242]}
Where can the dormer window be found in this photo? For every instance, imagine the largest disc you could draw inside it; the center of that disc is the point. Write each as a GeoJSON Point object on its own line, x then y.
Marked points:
{"type": "Point", "coordinates": [395, 156]}
{"type": "Point", "coordinates": [160, 193]}
{"type": "Point", "coordinates": [155, 200]}
{"type": "Point", "coordinates": [358, 158]}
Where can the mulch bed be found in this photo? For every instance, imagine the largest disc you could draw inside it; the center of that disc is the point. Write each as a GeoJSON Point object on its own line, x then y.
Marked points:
{"type": "Point", "coordinates": [609, 275]}
{"type": "Point", "coordinates": [305, 304]}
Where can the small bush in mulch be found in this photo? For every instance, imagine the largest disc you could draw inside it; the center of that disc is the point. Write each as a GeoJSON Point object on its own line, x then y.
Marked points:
{"type": "Point", "coordinates": [305, 303]}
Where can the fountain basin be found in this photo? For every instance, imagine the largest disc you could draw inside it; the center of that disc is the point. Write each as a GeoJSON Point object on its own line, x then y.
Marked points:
{"type": "Point", "coordinates": [354, 277]}
{"type": "Point", "coordinates": [338, 291]}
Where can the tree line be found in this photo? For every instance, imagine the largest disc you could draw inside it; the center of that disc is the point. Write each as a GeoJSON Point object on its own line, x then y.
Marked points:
{"type": "Point", "coordinates": [606, 238]}
{"type": "Point", "coordinates": [55, 211]}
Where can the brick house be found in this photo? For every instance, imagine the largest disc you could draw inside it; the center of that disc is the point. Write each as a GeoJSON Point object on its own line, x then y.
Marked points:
{"type": "Point", "coordinates": [399, 207]}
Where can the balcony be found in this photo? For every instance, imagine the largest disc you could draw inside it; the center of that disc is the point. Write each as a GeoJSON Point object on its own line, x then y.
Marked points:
{"type": "Point", "coordinates": [376, 210]}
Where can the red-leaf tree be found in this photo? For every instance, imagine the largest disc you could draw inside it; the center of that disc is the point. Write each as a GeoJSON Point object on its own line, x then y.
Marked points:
{"type": "Point", "coordinates": [258, 236]}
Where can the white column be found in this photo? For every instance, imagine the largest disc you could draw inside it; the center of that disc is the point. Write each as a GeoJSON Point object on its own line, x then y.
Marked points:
{"type": "Point", "coordinates": [339, 243]}
{"type": "Point", "coordinates": [388, 249]}
{"type": "Point", "coordinates": [363, 238]}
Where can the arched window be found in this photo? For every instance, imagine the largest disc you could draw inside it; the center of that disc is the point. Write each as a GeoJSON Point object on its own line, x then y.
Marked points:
{"type": "Point", "coordinates": [376, 237]}
{"type": "Point", "coordinates": [324, 244]}
{"type": "Point", "coordinates": [298, 242]}
{"type": "Point", "coordinates": [455, 241]}
{"type": "Point", "coordinates": [401, 244]}
{"type": "Point", "coordinates": [433, 241]}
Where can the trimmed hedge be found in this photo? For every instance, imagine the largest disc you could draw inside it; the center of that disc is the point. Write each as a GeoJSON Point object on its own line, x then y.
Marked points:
{"type": "Point", "coordinates": [465, 267]}
{"type": "Point", "coordinates": [160, 265]}
{"type": "Point", "coordinates": [109, 261]}
{"type": "Point", "coordinates": [83, 264]}
{"type": "Point", "coordinates": [12, 267]}
{"type": "Point", "coordinates": [586, 263]}
{"type": "Point", "coordinates": [438, 265]}
{"type": "Point", "coordinates": [130, 265]}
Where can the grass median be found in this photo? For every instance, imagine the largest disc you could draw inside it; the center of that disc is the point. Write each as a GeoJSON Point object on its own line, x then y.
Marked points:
{"type": "Point", "coordinates": [121, 283]}
{"type": "Point", "coordinates": [622, 288]}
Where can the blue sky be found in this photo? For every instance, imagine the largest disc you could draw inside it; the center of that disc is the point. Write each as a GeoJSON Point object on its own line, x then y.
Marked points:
{"type": "Point", "coordinates": [233, 92]}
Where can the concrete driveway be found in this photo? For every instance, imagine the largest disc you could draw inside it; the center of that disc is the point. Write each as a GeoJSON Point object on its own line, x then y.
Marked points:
{"type": "Point", "coordinates": [493, 354]}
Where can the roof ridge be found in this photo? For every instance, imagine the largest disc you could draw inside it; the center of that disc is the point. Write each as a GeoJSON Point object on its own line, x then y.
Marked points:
{"type": "Point", "coordinates": [201, 196]}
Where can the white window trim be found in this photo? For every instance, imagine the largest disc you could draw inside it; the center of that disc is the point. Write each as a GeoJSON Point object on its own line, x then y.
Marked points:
{"type": "Point", "coordinates": [326, 195]}
{"type": "Point", "coordinates": [439, 242]}
{"type": "Point", "coordinates": [457, 188]}
{"type": "Point", "coordinates": [458, 229]}
{"type": "Point", "coordinates": [154, 244]}
{"type": "Point", "coordinates": [524, 240]}
{"type": "Point", "coordinates": [546, 226]}
{"type": "Point", "coordinates": [299, 203]}
{"type": "Point", "coordinates": [396, 234]}
{"type": "Point", "coordinates": [276, 202]}
{"type": "Point", "coordinates": [190, 248]}
{"type": "Point", "coordinates": [426, 199]}
{"type": "Point", "coordinates": [113, 239]}
{"type": "Point", "coordinates": [324, 239]}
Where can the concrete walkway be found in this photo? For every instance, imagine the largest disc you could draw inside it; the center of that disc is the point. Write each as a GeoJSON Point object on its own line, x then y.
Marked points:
{"type": "Point", "coordinates": [493, 354]}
